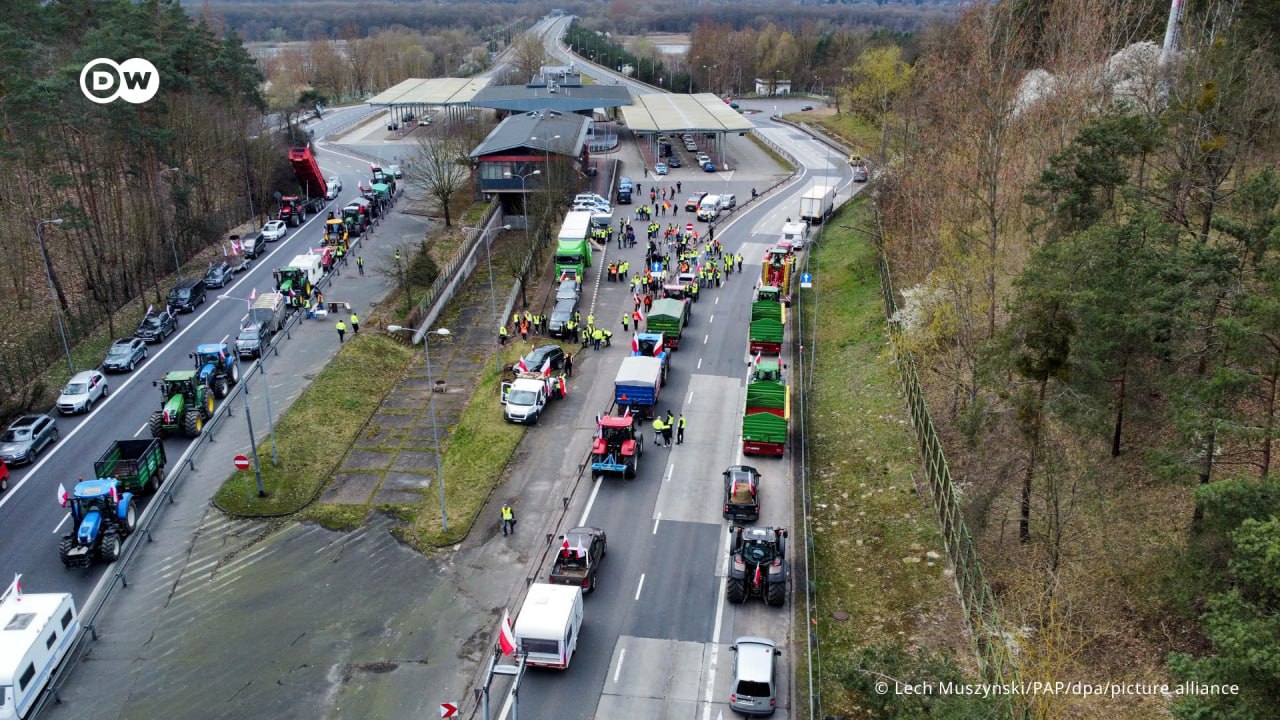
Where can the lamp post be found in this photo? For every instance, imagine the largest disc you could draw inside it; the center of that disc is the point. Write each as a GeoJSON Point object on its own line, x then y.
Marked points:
{"type": "Point", "coordinates": [435, 434]}
{"type": "Point", "coordinates": [57, 307]}
{"type": "Point", "coordinates": [493, 297]}
{"type": "Point", "coordinates": [524, 197]}
{"type": "Point", "coordinates": [168, 224]}
{"type": "Point", "coordinates": [266, 389]}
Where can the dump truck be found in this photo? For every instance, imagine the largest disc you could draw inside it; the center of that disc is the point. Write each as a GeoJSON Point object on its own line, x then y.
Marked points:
{"type": "Point", "coordinates": [637, 385]}
{"type": "Point", "coordinates": [767, 412]}
{"type": "Point", "coordinates": [573, 252]}
{"type": "Point", "coordinates": [817, 203]}
{"type": "Point", "coordinates": [138, 465]}
{"type": "Point", "coordinates": [618, 444]}
{"type": "Point", "coordinates": [101, 518]}
{"type": "Point", "coordinates": [668, 316]}
{"type": "Point", "coordinates": [651, 344]}
{"type": "Point", "coordinates": [185, 405]}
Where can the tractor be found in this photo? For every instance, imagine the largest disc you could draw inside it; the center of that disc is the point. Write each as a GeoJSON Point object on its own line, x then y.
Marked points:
{"type": "Point", "coordinates": [759, 565]}
{"type": "Point", "coordinates": [218, 366]}
{"type": "Point", "coordinates": [101, 518]}
{"type": "Point", "coordinates": [292, 283]}
{"type": "Point", "coordinates": [186, 404]}
{"type": "Point", "coordinates": [335, 232]}
{"type": "Point", "coordinates": [618, 445]}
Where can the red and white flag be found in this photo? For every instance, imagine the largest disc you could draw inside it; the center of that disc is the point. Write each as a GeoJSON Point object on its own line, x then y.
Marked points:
{"type": "Point", "coordinates": [520, 366]}
{"type": "Point", "coordinates": [115, 497]}
{"type": "Point", "coordinates": [253, 295]}
{"type": "Point", "coordinates": [506, 638]}
{"type": "Point", "coordinates": [17, 587]}
{"type": "Point", "coordinates": [579, 549]}
{"type": "Point", "coordinates": [151, 309]}
{"type": "Point", "coordinates": [63, 498]}
{"type": "Point", "coordinates": [546, 368]}
{"type": "Point", "coordinates": [756, 360]}
{"type": "Point", "coordinates": [635, 344]}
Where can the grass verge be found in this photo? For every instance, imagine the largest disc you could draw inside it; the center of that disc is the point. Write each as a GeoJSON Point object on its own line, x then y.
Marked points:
{"type": "Point", "coordinates": [878, 550]}
{"type": "Point", "coordinates": [782, 162]}
{"type": "Point", "coordinates": [314, 434]}
{"type": "Point", "coordinates": [852, 131]}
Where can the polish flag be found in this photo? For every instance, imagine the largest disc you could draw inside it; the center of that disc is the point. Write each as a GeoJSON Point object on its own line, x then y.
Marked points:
{"type": "Point", "coordinates": [635, 344]}
{"type": "Point", "coordinates": [151, 309]}
{"type": "Point", "coordinates": [546, 368]}
{"type": "Point", "coordinates": [564, 549]}
{"type": "Point", "coordinates": [506, 638]}
{"type": "Point", "coordinates": [580, 549]}
{"type": "Point", "coordinates": [520, 366]}
{"type": "Point", "coordinates": [756, 360]}
{"type": "Point", "coordinates": [17, 588]}
{"type": "Point", "coordinates": [253, 295]}
{"type": "Point", "coordinates": [115, 497]}
{"type": "Point", "coordinates": [63, 498]}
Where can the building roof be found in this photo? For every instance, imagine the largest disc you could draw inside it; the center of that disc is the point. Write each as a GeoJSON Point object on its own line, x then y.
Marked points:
{"type": "Point", "coordinates": [669, 112]}
{"type": "Point", "coordinates": [431, 91]}
{"type": "Point", "coordinates": [537, 131]}
{"type": "Point", "coordinates": [519, 98]}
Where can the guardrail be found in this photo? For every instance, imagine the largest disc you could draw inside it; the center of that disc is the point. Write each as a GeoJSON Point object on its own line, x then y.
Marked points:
{"type": "Point", "coordinates": [352, 123]}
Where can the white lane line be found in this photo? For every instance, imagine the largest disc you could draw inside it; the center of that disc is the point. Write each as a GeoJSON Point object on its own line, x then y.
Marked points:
{"type": "Point", "coordinates": [671, 470]}
{"type": "Point", "coordinates": [717, 301]}
{"type": "Point", "coordinates": [641, 586]}
{"type": "Point", "coordinates": [65, 518]}
{"type": "Point", "coordinates": [622, 655]}
{"type": "Point", "coordinates": [592, 500]}
{"type": "Point", "coordinates": [711, 318]}
{"type": "Point", "coordinates": [655, 523]}
{"type": "Point", "coordinates": [705, 339]}
{"type": "Point", "coordinates": [709, 694]}
{"type": "Point", "coordinates": [144, 427]}
{"type": "Point", "coordinates": [699, 363]}
{"type": "Point", "coordinates": [689, 399]}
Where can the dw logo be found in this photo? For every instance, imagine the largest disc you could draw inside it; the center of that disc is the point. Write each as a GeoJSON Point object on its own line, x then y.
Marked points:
{"type": "Point", "coordinates": [135, 80]}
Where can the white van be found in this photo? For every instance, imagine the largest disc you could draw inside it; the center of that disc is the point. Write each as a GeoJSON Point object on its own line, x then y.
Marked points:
{"type": "Point", "coordinates": [548, 625]}
{"type": "Point", "coordinates": [709, 208]}
{"type": "Point", "coordinates": [36, 631]}
{"type": "Point", "coordinates": [795, 234]}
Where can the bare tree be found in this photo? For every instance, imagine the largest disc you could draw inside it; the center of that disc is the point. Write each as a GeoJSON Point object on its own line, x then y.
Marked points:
{"type": "Point", "coordinates": [528, 56]}
{"type": "Point", "coordinates": [442, 168]}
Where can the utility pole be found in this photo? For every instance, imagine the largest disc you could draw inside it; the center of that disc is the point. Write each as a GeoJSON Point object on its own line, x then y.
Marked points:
{"type": "Point", "coordinates": [1171, 32]}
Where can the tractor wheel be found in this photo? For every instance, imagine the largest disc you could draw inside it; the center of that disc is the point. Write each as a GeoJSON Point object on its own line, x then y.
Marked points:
{"type": "Point", "coordinates": [153, 483]}
{"type": "Point", "coordinates": [65, 546]}
{"type": "Point", "coordinates": [630, 472]}
{"type": "Point", "coordinates": [591, 584]}
{"type": "Point", "coordinates": [220, 387]}
{"type": "Point", "coordinates": [776, 593]}
{"type": "Point", "coordinates": [235, 373]}
{"type": "Point", "coordinates": [735, 591]}
{"type": "Point", "coordinates": [109, 546]}
{"type": "Point", "coordinates": [208, 406]}
{"type": "Point", "coordinates": [192, 423]}
{"type": "Point", "coordinates": [156, 423]}
{"type": "Point", "coordinates": [130, 520]}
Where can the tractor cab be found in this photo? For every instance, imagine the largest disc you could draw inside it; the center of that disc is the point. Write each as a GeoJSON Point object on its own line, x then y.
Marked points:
{"type": "Point", "coordinates": [292, 283]}
{"type": "Point", "coordinates": [209, 356]}
{"type": "Point", "coordinates": [768, 293]}
{"type": "Point", "coordinates": [335, 231]}
{"type": "Point", "coordinates": [759, 546]}
{"type": "Point", "coordinates": [179, 383]}
{"type": "Point", "coordinates": [617, 446]}
{"type": "Point", "coordinates": [648, 345]}
{"type": "Point", "coordinates": [767, 371]}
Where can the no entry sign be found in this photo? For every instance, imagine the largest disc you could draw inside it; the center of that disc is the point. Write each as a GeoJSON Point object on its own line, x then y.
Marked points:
{"type": "Point", "coordinates": [242, 462]}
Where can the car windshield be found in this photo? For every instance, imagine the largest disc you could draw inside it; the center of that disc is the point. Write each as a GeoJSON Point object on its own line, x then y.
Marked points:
{"type": "Point", "coordinates": [248, 334]}
{"type": "Point", "coordinates": [76, 389]}
{"type": "Point", "coordinates": [521, 397]}
{"type": "Point", "coordinates": [151, 322]}
{"type": "Point", "coordinates": [16, 435]}
{"type": "Point", "coordinates": [120, 351]}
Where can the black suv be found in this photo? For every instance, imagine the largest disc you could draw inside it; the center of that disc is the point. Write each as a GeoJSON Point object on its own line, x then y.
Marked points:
{"type": "Point", "coordinates": [561, 314]}
{"type": "Point", "coordinates": [155, 327]}
{"type": "Point", "coordinates": [187, 295]}
{"type": "Point", "coordinates": [539, 355]}
{"type": "Point", "coordinates": [218, 275]}
{"type": "Point", "coordinates": [252, 340]}
{"type": "Point", "coordinates": [125, 354]}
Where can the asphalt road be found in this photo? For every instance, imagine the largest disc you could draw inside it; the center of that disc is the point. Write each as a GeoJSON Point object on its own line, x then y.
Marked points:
{"type": "Point", "coordinates": [31, 521]}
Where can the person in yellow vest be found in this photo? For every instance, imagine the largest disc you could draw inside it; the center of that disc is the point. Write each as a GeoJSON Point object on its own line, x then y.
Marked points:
{"type": "Point", "coordinates": [342, 331]}
{"type": "Point", "coordinates": [680, 430]}
{"type": "Point", "coordinates": [591, 320]}
{"type": "Point", "coordinates": [597, 337]}
{"type": "Point", "coordinates": [508, 519]}
{"type": "Point", "coordinates": [502, 334]}
{"type": "Point", "coordinates": [355, 324]}
{"type": "Point", "coordinates": [657, 431]}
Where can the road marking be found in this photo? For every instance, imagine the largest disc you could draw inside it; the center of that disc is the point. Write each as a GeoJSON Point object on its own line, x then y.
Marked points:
{"type": "Point", "coordinates": [622, 655]}
{"type": "Point", "coordinates": [699, 363]}
{"type": "Point", "coordinates": [640, 586]}
{"type": "Point", "coordinates": [717, 301]}
{"type": "Point", "coordinates": [65, 518]}
{"type": "Point", "coordinates": [671, 470]}
{"type": "Point", "coordinates": [715, 633]}
{"type": "Point", "coordinates": [690, 398]}
{"type": "Point", "coordinates": [711, 318]}
{"type": "Point", "coordinates": [705, 338]}
{"type": "Point", "coordinates": [591, 501]}
{"type": "Point", "coordinates": [655, 523]}
{"type": "Point", "coordinates": [144, 427]}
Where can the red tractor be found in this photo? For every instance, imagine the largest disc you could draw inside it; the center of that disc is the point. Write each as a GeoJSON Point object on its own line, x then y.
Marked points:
{"type": "Point", "coordinates": [618, 445]}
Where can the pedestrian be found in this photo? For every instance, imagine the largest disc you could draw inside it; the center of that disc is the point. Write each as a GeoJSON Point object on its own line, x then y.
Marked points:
{"type": "Point", "coordinates": [524, 329]}
{"type": "Point", "coordinates": [355, 324]}
{"type": "Point", "coordinates": [568, 365]}
{"type": "Point", "coordinates": [646, 171]}
{"type": "Point", "coordinates": [597, 337]}
{"type": "Point", "coordinates": [397, 258]}
{"type": "Point", "coordinates": [360, 263]}
{"type": "Point", "coordinates": [625, 318]}
{"type": "Point", "coordinates": [608, 337]}
{"type": "Point", "coordinates": [680, 187]}
{"type": "Point", "coordinates": [508, 519]}
{"type": "Point", "coordinates": [638, 188]}
{"type": "Point", "coordinates": [657, 431]}
{"type": "Point", "coordinates": [680, 430]}
{"type": "Point", "coordinates": [342, 331]}
{"type": "Point", "coordinates": [591, 320]}
{"type": "Point", "coordinates": [502, 334]}
{"type": "Point", "coordinates": [667, 424]}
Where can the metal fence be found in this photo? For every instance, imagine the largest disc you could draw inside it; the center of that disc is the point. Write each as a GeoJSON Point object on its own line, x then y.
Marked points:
{"type": "Point", "coordinates": [982, 612]}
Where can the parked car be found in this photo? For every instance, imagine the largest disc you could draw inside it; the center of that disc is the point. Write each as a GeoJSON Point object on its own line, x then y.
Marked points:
{"type": "Point", "coordinates": [274, 230]}
{"type": "Point", "coordinates": [557, 322]}
{"type": "Point", "coordinates": [661, 168]}
{"type": "Point", "coordinates": [187, 295]}
{"type": "Point", "coordinates": [155, 327]}
{"type": "Point", "coordinates": [594, 198]}
{"type": "Point", "coordinates": [568, 290]}
{"type": "Point", "coordinates": [674, 161]}
{"type": "Point", "coordinates": [806, 108]}
{"type": "Point", "coordinates": [218, 274]}
{"type": "Point", "coordinates": [728, 201]}
{"type": "Point", "coordinates": [539, 355]}
{"type": "Point", "coordinates": [395, 171]}
{"type": "Point", "coordinates": [252, 340]}
{"type": "Point", "coordinates": [733, 105]}
{"type": "Point", "coordinates": [861, 174]}
{"type": "Point", "coordinates": [334, 185]}
{"type": "Point", "coordinates": [26, 438]}
{"type": "Point", "coordinates": [694, 200]}
{"type": "Point", "coordinates": [125, 354]}
{"type": "Point", "coordinates": [708, 166]}
{"type": "Point", "coordinates": [85, 388]}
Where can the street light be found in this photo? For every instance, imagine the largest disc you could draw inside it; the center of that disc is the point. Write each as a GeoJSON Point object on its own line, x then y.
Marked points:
{"type": "Point", "coordinates": [435, 435]}
{"type": "Point", "coordinates": [524, 196]}
{"type": "Point", "coordinates": [493, 298]}
{"type": "Point", "coordinates": [173, 241]}
{"type": "Point", "coordinates": [266, 386]}
{"type": "Point", "coordinates": [48, 271]}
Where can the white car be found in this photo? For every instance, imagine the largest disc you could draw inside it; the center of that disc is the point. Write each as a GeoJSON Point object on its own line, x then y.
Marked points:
{"type": "Point", "coordinates": [274, 230]}
{"type": "Point", "coordinates": [335, 187]}
{"type": "Point", "coordinates": [86, 388]}
{"type": "Point", "coordinates": [593, 207]}
{"type": "Point", "coordinates": [590, 197]}
{"type": "Point", "coordinates": [395, 171]}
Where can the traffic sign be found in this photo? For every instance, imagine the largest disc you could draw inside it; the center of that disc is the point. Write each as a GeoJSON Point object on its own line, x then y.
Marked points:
{"type": "Point", "coordinates": [806, 280]}
{"type": "Point", "coordinates": [242, 462]}
{"type": "Point", "coordinates": [448, 710]}
{"type": "Point", "coordinates": [688, 227]}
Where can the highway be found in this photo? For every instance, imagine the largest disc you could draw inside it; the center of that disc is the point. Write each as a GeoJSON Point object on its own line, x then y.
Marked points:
{"type": "Point", "coordinates": [31, 522]}
{"type": "Point", "coordinates": [656, 632]}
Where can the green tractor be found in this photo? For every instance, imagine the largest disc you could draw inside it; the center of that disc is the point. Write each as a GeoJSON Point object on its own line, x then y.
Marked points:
{"type": "Point", "coordinates": [187, 404]}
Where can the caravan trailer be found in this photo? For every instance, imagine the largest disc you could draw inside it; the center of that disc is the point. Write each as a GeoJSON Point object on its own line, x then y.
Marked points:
{"type": "Point", "coordinates": [36, 631]}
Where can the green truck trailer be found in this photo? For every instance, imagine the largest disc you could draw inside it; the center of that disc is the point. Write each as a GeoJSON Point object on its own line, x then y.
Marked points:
{"type": "Point", "coordinates": [767, 318]}
{"type": "Point", "coordinates": [668, 316]}
{"type": "Point", "coordinates": [138, 465]}
{"type": "Point", "coordinates": [768, 411]}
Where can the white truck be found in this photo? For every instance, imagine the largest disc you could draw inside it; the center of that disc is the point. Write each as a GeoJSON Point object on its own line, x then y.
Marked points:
{"type": "Point", "coordinates": [549, 623]}
{"type": "Point", "coordinates": [311, 266]}
{"type": "Point", "coordinates": [794, 235]}
{"type": "Point", "coordinates": [524, 398]}
{"type": "Point", "coordinates": [709, 208]}
{"type": "Point", "coordinates": [39, 629]}
{"type": "Point", "coordinates": [817, 203]}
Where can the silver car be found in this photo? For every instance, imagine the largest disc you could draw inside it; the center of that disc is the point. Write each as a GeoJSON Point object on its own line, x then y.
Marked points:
{"type": "Point", "coordinates": [82, 392]}
{"type": "Point", "coordinates": [274, 230]}
{"type": "Point", "coordinates": [26, 437]}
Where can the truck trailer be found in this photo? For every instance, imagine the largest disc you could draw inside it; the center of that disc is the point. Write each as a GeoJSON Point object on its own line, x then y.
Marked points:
{"type": "Point", "coordinates": [817, 203]}
{"type": "Point", "coordinates": [573, 252]}
{"type": "Point", "coordinates": [548, 625]}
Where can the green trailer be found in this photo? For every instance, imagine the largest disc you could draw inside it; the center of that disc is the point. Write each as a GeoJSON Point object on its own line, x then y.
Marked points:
{"type": "Point", "coordinates": [138, 465]}
{"type": "Point", "coordinates": [765, 337]}
{"type": "Point", "coordinates": [763, 433]}
{"type": "Point", "coordinates": [764, 422]}
{"type": "Point", "coordinates": [668, 316]}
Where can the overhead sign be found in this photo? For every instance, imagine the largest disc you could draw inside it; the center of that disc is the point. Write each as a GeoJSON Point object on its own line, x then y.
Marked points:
{"type": "Point", "coordinates": [242, 462]}
{"type": "Point", "coordinates": [806, 280]}
{"type": "Point", "coordinates": [448, 710]}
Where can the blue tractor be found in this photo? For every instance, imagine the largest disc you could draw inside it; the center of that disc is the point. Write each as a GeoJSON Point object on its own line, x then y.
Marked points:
{"type": "Point", "coordinates": [101, 518]}
{"type": "Point", "coordinates": [218, 367]}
